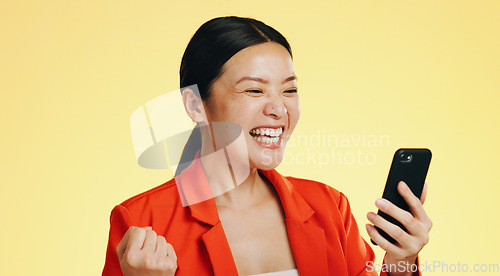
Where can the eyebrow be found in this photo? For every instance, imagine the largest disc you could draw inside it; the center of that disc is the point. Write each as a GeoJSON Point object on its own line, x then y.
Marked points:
{"type": "Point", "coordinates": [257, 79]}
{"type": "Point", "coordinates": [291, 78]}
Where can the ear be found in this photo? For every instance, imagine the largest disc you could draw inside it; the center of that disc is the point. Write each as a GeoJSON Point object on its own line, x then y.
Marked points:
{"type": "Point", "coordinates": [194, 106]}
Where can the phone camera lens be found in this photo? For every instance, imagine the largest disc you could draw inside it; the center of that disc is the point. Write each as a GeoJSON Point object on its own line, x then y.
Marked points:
{"type": "Point", "coordinates": [406, 157]}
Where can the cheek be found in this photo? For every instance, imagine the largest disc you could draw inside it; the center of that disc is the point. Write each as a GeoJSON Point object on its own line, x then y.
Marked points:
{"type": "Point", "coordinates": [293, 108]}
{"type": "Point", "coordinates": [244, 108]}
{"type": "Point", "coordinates": [237, 110]}
{"type": "Point", "coordinates": [223, 109]}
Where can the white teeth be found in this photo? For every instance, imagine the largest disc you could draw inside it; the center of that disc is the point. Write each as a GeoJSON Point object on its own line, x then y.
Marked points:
{"type": "Point", "coordinates": [265, 139]}
{"type": "Point", "coordinates": [273, 132]}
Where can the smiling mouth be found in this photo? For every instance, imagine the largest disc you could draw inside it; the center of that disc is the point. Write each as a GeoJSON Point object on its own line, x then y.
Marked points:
{"type": "Point", "coordinates": [267, 135]}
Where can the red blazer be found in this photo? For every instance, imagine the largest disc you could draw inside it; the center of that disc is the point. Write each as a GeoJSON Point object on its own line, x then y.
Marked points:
{"type": "Point", "coordinates": [322, 232]}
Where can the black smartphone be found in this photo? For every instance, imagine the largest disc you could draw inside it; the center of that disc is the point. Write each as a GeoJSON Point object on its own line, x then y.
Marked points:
{"type": "Point", "coordinates": [410, 166]}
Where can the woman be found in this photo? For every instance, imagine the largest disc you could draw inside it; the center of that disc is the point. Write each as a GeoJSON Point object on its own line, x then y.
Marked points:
{"type": "Point", "coordinates": [266, 223]}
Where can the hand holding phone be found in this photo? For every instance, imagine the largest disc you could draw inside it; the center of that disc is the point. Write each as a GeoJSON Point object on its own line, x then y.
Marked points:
{"type": "Point", "coordinates": [409, 166]}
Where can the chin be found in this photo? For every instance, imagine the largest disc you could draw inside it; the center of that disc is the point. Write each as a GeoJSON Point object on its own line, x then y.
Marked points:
{"type": "Point", "coordinates": [268, 159]}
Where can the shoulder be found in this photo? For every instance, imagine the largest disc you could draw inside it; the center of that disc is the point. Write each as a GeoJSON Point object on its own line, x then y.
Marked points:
{"type": "Point", "coordinates": [319, 195]}
{"type": "Point", "coordinates": [164, 195]}
{"type": "Point", "coordinates": [308, 188]}
{"type": "Point", "coordinates": [167, 189]}
{"type": "Point", "coordinates": [330, 205]}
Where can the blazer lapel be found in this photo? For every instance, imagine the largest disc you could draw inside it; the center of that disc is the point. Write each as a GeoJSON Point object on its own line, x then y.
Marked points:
{"type": "Point", "coordinates": [219, 251]}
{"type": "Point", "coordinates": [307, 240]}
{"type": "Point", "coordinates": [309, 247]}
{"type": "Point", "coordinates": [193, 186]}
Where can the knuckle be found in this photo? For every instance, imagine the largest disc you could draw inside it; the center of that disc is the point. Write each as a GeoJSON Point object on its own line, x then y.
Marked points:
{"type": "Point", "coordinates": [138, 230]}
{"type": "Point", "coordinates": [171, 264]}
{"type": "Point", "coordinates": [384, 244]}
{"type": "Point", "coordinates": [130, 259]}
{"type": "Point", "coordinates": [426, 239]}
{"type": "Point", "coordinates": [387, 208]}
{"type": "Point", "coordinates": [398, 234]}
{"type": "Point", "coordinates": [407, 219]}
{"type": "Point", "coordinates": [377, 219]}
{"type": "Point", "coordinates": [135, 229]}
{"type": "Point", "coordinates": [149, 262]}
{"type": "Point", "coordinates": [162, 239]}
{"type": "Point", "coordinates": [414, 248]}
{"type": "Point", "coordinates": [152, 234]}
{"type": "Point", "coordinates": [393, 207]}
{"type": "Point", "coordinates": [414, 199]}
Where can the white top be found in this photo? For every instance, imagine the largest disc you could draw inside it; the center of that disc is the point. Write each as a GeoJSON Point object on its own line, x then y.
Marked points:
{"type": "Point", "coordinates": [291, 272]}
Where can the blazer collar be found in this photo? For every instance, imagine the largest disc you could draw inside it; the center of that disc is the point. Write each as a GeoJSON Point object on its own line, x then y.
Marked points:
{"type": "Point", "coordinates": [193, 185]}
{"type": "Point", "coordinates": [307, 240]}
{"type": "Point", "coordinates": [294, 205]}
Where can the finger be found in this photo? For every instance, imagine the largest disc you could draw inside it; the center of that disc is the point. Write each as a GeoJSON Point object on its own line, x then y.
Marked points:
{"type": "Point", "coordinates": [171, 251]}
{"type": "Point", "coordinates": [136, 239]}
{"type": "Point", "coordinates": [413, 202]}
{"type": "Point", "coordinates": [424, 193]}
{"type": "Point", "coordinates": [403, 216]}
{"type": "Point", "coordinates": [381, 241]}
{"type": "Point", "coordinates": [391, 229]}
{"type": "Point", "coordinates": [150, 241]}
{"type": "Point", "coordinates": [122, 245]}
{"type": "Point", "coordinates": [161, 246]}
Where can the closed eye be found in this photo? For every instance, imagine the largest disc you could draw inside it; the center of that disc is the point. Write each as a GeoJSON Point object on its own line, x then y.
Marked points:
{"type": "Point", "coordinates": [291, 91]}
{"type": "Point", "coordinates": [253, 91]}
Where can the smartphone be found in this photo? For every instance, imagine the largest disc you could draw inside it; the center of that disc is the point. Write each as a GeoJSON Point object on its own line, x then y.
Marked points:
{"type": "Point", "coordinates": [410, 166]}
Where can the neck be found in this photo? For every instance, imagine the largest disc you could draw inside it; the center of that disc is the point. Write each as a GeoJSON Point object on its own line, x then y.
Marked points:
{"type": "Point", "coordinates": [227, 184]}
{"type": "Point", "coordinates": [247, 194]}
{"type": "Point", "coordinates": [226, 170]}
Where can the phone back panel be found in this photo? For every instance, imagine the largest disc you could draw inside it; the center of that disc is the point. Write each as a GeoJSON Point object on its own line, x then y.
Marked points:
{"type": "Point", "coordinates": [412, 172]}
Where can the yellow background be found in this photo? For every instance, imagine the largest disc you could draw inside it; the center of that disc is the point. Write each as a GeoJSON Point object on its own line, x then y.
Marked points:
{"type": "Point", "coordinates": [424, 73]}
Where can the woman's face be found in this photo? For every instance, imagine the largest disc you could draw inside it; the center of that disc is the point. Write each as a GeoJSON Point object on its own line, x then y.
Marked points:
{"type": "Point", "coordinates": [258, 91]}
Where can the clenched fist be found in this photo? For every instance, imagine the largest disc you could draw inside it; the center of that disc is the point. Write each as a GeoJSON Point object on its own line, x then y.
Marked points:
{"type": "Point", "coordinates": [142, 252]}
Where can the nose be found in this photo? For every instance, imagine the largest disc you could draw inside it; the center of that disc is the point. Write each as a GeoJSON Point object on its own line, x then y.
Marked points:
{"type": "Point", "coordinates": [275, 108]}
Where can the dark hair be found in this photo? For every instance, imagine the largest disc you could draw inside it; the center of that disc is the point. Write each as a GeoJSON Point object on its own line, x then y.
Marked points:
{"type": "Point", "coordinates": [213, 44]}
